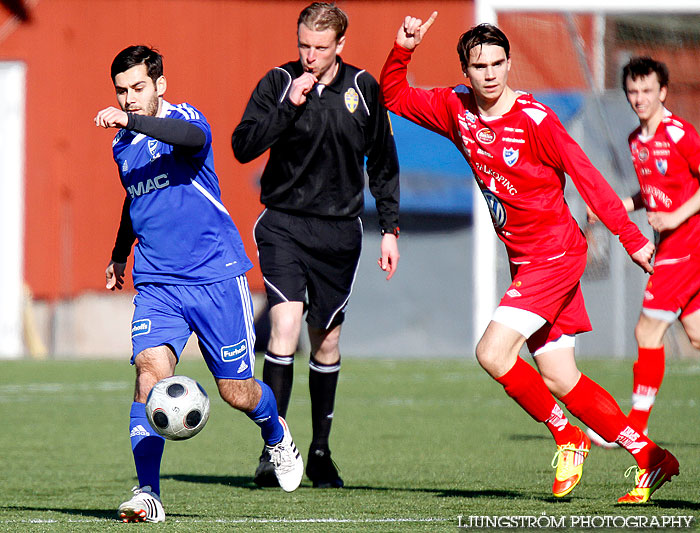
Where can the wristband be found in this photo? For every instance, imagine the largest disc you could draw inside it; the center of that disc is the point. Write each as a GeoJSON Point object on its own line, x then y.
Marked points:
{"type": "Point", "coordinates": [395, 232]}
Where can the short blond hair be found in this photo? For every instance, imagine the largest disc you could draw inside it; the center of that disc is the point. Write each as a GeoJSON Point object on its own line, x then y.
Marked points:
{"type": "Point", "coordinates": [321, 16]}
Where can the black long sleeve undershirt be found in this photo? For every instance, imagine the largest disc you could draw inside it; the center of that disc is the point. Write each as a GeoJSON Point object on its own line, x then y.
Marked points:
{"type": "Point", "coordinates": [125, 235]}
{"type": "Point", "coordinates": [168, 130]}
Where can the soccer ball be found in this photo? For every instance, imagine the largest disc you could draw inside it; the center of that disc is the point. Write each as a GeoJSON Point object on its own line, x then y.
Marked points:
{"type": "Point", "coordinates": [177, 407]}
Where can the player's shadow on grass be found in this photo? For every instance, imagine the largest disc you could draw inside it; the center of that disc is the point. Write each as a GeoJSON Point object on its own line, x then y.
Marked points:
{"type": "Point", "coordinates": [675, 504]}
{"type": "Point", "coordinates": [245, 482]}
{"type": "Point", "coordinates": [521, 437]}
{"type": "Point", "coordinates": [102, 514]}
{"type": "Point", "coordinates": [447, 493]}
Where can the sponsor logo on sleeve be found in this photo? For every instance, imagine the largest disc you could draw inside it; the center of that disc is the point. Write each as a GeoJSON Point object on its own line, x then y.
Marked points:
{"type": "Point", "coordinates": [510, 156]}
{"type": "Point", "coordinates": [352, 99]}
{"type": "Point", "coordinates": [140, 327]}
{"type": "Point", "coordinates": [234, 352]}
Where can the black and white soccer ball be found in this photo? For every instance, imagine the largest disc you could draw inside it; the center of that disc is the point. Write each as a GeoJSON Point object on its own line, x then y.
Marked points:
{"type": "Point", "coordinates": [177, 407]}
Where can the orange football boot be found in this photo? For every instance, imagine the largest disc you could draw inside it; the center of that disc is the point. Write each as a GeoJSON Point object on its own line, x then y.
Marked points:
{"type": "Point", "coordinates": [649, 480]}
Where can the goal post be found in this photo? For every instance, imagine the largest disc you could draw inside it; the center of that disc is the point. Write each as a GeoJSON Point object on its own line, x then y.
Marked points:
{"type": "Point", "coordinates": [12, 104]}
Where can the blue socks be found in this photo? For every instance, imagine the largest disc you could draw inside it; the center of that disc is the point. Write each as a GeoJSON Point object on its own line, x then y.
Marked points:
{"type": "Point", "coordinates": [265, 415]}
{"type": "Point", "coordinates": [147, 447]}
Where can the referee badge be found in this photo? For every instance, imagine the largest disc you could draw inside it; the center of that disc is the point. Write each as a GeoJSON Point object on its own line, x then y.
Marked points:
{"type": "Point", "coordinates": [351, 99]}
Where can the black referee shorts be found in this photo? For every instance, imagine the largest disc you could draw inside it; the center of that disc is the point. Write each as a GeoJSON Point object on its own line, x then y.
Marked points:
{"type": "Point", "coordinates": [302, 254]}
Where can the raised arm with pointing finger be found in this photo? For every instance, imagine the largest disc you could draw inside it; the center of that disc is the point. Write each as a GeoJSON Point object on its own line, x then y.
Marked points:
{"type": "Point", "coordinates": [520, 154]}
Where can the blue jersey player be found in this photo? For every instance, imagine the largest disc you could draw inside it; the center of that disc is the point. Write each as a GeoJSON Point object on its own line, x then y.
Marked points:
{"type": "Point", "coordinates": [189, 269]}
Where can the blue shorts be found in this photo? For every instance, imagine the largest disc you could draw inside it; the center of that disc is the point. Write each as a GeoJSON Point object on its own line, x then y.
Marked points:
{"type": "Point", "coordinates": [221, 314]}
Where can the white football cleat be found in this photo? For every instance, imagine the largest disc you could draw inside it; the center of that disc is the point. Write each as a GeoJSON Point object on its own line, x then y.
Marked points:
{"type": "Point", "coordinates": [600, 441]}
{"type": "Point", "coordinates": [144, 506]}
{"type": "Point", "coordinates": [289, 466]}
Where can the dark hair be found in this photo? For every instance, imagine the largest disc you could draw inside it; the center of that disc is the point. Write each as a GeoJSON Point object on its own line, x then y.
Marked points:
{"type": "Point", "coordinates": [643, 66]}
{"type": "Point", "coordinates": [477, 36]}
{"type": "Point", "coordinates": [321, 16]}
{"type": "Point", "coordinates": [138, 55]}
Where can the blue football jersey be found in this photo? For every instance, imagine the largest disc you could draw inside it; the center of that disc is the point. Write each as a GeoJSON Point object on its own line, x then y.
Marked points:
{"type": "Point", "coordinates": [185, 234]}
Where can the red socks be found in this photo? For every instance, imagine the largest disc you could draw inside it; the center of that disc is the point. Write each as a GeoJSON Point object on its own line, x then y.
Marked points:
{"type": "Point", "coordinates": [594, 406]}
{"type": "Point", "coordinates": [648, 375]}
{"type": "Point", "coordinates": [525, 385]}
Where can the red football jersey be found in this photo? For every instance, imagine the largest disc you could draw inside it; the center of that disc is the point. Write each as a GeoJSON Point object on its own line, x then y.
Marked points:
{"type": "Point", "coordinates": [667, 168]}
{"type": "Point", "coordinates": [519, 160]}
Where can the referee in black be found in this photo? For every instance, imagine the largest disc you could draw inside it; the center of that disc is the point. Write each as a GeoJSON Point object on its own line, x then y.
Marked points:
{"type": "Point", "coordinates": [320, 118]}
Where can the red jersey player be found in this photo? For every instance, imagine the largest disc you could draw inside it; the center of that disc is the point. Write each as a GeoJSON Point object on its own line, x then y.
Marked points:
{"type": "Point", "coordinates": [666, 156]}
{"type": "Point", "coordinates": [519, 152]}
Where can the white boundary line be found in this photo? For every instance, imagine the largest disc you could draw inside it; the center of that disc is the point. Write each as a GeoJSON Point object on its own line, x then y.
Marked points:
{"type": "Point", "coordinates": [247, 521]}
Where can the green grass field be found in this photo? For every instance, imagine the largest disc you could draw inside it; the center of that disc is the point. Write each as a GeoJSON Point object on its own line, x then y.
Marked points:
{"type": "Point", "coordinates": [419, 443]}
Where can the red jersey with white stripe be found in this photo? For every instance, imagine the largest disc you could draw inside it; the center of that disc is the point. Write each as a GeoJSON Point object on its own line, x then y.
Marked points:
{"type": "Point", "coordinates": [519, 161]}
{"type": "Point", "coordinates": [667, 168]}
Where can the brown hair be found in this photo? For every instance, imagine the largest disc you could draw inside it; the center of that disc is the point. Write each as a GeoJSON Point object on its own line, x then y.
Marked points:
{"type": "Point", "coordinates": [321, 16]}
{"type": "Point", "coordinates": [639, 67]}
{"type": "Point", "coordinates": [477, 36]}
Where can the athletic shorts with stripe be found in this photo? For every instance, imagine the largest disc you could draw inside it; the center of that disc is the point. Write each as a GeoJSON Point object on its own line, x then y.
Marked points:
{"type": "Point", "coordinates": [550, 288]}
{"type": "Point", "coordinates": [220, 313]}
{"type": "Point", "coordinates": [302, 254]}
{"type": "Point", "coordinates": [673, 288]}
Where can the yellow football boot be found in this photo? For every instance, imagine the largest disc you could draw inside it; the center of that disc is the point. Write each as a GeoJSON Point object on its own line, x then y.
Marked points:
{"type": "Point", "coordinates": [568, 460]}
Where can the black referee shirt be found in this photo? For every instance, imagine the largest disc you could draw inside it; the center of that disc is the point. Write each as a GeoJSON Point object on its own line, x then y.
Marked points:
{"type": "Point", "coordinates": [317, 150]}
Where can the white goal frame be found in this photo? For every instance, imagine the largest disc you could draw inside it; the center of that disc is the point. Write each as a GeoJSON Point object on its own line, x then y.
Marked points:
{"type": "Point", "coordinates": [484, 281]}
{"type": "Point", "coordinates": [12, 118]}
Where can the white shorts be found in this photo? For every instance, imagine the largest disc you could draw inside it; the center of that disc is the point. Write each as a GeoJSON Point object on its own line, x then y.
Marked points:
{"type": "Point", "coordinates": [527, 323]}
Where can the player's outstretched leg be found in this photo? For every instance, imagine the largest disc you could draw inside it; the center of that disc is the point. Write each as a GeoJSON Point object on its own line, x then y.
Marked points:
{"type": "Point", "coordinates": [568, 460]}
{"type": "Point", "coordinates": [527, 388]}
{"type": "Point", "coordinates": [649, 480]}
{"type": "Point", "coordinates": [278, 374]}
{"type": "Point", "coordinates": [289, 467]}
{"type": "Point", "coordinates": [144, 506]}
{"type": "Point", "coordinates": [594, 406]}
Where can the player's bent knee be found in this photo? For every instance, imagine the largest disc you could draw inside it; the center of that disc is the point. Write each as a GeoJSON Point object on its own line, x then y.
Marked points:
{"type": "Point", "coordinates": [557, 386]}
{"type": "Point", "coordinates": [691, 325]}
{"type": "Point", "coordinates": [285, 328]}
{"type": "Point", "coordinates": [644, 335]}
{"type": "Point", "coordinates": [488, 358]}
{"type": "Point", "coordinates": [241, 394]}
{"type": "Point", "coordinates": [695, 341]}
